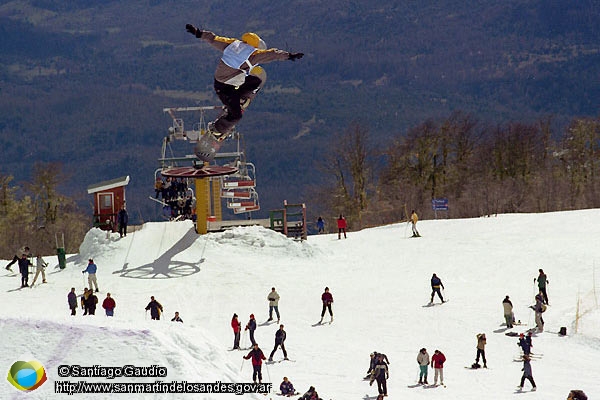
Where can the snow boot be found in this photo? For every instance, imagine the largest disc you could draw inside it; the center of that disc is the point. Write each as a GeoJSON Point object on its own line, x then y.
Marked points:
{"type": "Point", "coordinates": [420, 381]}
{"type": "Point", "coordinates": [321, 321]}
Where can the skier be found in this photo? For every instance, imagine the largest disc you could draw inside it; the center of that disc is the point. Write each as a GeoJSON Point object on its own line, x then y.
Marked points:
{"type": "Point", "coordinates": [508, 312]}
{"type": "Point", "coordinates": [17, 257]}
{"type": "Point", "coordinates": [24, 264]}
{"type": "Point", "coordinates": [72, 300]}
{"type": "Point", "coordinates": [437, 363]}
{"type": "Point", "coordinates": [527, 374]}
{"type": "Point", "coordinates": [374, 357]}
{"type": "Point", "coordinates": [311, 394]}
{"type": "Point", "coordinates": [84, 297]}
{"type": "Point", "coordinates": [91, 270]}
{"type": "Point", "coordinates": [280, 336]}
{"type": "Point", "coordinates": [273, 298]}
{"type": "Point", "coordinates": [122, 219]}
{"type": "Point", "coordinates": [525, 344]}
{"type": "Point", "coordinates": [155, 308]}
{"type": "Point", "coordinates": [413, 219]}
{"type": "Point", "coordinates": [109, 305]}
{"type": "Point", "coordinates": [287, 388]}
{"type": "Point", "coordinates": [435, 287]}
{"type": "Point", "coordinates": [90, 302]}
{"type": "Point", "coordinates": [237, 327]}
{"type": "Point", "coordinates": [341, 224]}
{"type": "Point", "coordinates": [234, 83]}
{"type": "Point", "coordinates": [577, 395]}
{"type": "Point", "coordinates": [380, 374]}
{"type": "Point", "coordinates": [251, 326]}
{"type": "Point", "coordinates": [40, 266]}
{"type": "Point", "coordinates": [423, 361]}
{"type": "Point", "coordinates": [320, 225]}
{"type": "Point", "coordinates": [257, 356]}
{"type": "Point", "coordinates": [539, 308]}
{"type": "Point", "coordinates": [327, 299]}
{"type": "Point", "coordinates": [176, 318]}
{"type": "Point", "coordinates": [542, 281]}
{"type": "Point", "coordinates": [481, 342]}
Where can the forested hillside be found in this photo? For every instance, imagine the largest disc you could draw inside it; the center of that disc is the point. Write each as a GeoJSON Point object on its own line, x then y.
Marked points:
{"type": "Point", "coordinates": [84, 83]}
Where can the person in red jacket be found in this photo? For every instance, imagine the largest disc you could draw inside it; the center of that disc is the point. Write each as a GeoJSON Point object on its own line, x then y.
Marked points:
{"type": "Point", "coordinates": [237, 327]}
{"type": "Point", "coordinates": [437, 363]}
{"type": "Point", "coordinates": [341, 223]}
{"type": "Point", "coordinates": [327, 299]}
{"type": "Point", "coordinates": [109, 305]}
{"type": "Point", "coordinates": [257, 356]}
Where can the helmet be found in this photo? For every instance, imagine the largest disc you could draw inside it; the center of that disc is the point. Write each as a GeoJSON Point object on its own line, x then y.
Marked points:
{"type": "Point", "coordinates": [253, 40]}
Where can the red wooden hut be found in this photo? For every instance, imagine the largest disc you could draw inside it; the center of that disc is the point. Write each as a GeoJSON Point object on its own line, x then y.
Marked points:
{"type": "Point", "coordinates": [109, 197]}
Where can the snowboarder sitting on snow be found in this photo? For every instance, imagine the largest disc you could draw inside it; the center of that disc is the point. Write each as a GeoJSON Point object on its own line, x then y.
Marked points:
{"type": "Point", "coordinates": [577, 395]}
{"type": "Point", "coordinates": [287, 388]}
{"type": "Point", "coordinates": [233, 82]}
{"type": "Point", "coordinates": [311, 394]}
{"type": "Point", "coordinates": [435, 287]}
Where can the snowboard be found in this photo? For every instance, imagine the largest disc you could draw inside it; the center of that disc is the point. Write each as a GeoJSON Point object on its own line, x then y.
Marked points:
{"type": "Point", "coordinates": [209, 143]}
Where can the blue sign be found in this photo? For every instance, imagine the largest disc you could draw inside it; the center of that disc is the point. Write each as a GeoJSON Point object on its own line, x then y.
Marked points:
{"type": "Point", "coordinates": [439, 204]}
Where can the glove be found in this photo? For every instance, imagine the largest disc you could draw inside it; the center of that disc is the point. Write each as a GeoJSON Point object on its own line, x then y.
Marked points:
{"type": "Point", "coordinates": [295, 56]}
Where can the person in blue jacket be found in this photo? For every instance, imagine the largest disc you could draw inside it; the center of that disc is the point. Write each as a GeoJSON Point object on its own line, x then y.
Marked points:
{"type": "Point", "coordinates": [286, 387]}
{"type": "Point", "coordinates": [91, 270]}
{"type": "Point", "coordinates": [436, 283]}
{"type": "Point", "coordinates": [251, 326]}
{"type": "Point", "coordinates": [24, 264]}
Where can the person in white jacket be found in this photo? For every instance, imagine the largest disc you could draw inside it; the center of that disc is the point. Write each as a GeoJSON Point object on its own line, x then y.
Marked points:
{"type": "Point", "coordinates": [40, 267]}
{"type": "Point", "coordinates": [423, 361]}
{"type": "Point", "coordinates": [273, 298]}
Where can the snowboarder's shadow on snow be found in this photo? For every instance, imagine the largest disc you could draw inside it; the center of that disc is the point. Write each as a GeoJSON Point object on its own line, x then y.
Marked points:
{"type": "Point", "coordinates": [164, 267]}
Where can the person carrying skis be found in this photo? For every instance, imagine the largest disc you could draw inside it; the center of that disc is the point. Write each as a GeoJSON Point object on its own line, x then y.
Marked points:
{"type": "Point", "coordinates": [423, 361]}
{"type": "Point", "coordinates": [341, 224]}
{"type": "Point", "coordinates": [380, 374]}
{"type": "Point", "coordinates": [251, 326]}
{"type": "Point", "coordinates": [287, 388]}
{"type": "Point", "coordinates": [237, 327]}
{"type": "Point", "coordinates": [374, 357]}
{"type": "Point", "coordinates": [437, 363]}
{"type": "Point", "coordinates": [542, 281]}
{"type": "Point", "coordinates": [257, 356]}
{"type": "Point", "coordinates": [233, 82]}
{"type": "Point", "coordinates": [17, 257]}
{"type": "Point", "coordinates": [155, 308]}
{"type": "Point", "coordinates": [280, 336]}
{"type": "Point", "coordinates": [91, 270]}
{"type": "Point", "coordinates": [327, 299]}
{"type": "Point", "coordinates": [527, 374]}
{"type": "Point", "coordinates": [481, 342]}
{"type": "Point", "coordinates": [525, 344]}
{"type": "Point", "coordinates": [509, 317]}
{"type": "Point", "coordinates": [436, 283]}
{"type": "Point", "coordinates": [413, 219]}
{"type": "Point", "coordinates": [273, 298]}
{"type": "Point", "coordinates": [72, 300]}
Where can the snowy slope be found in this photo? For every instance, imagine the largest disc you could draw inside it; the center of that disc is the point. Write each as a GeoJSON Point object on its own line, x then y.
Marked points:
{"type": "Point", "coordinates": [380, 282]}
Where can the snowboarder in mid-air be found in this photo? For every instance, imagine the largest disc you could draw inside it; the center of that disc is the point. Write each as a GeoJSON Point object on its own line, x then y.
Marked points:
{"type": "Point", "coordinates": [237, 78]}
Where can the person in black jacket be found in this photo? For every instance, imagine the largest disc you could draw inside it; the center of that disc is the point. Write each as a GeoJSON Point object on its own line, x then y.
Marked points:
{"type": "Point", "coordinates": [251, 326]}
{"type": "Point", "coordinates": [279, 341]}
{"type": "Point", "coordinates": [436, 283]}
{"type": "Point", "coordinates": [24, 264]}
{"type": "Point", "coordinates": [380, 374]}
{"type": "Point", "coordinates": [155, 308]}
{"type": "Point", "coordinates": [122, 219]}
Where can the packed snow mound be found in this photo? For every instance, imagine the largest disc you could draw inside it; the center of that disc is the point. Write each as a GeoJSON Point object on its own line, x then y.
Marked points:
{"type": "Point", "coordinates": [97, 242]}
{"type": "Point", "coordinates": [267, 241]}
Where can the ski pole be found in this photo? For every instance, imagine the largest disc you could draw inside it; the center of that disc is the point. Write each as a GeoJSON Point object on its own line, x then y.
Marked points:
{"type": "Point", "coordinates": [242, 366]}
